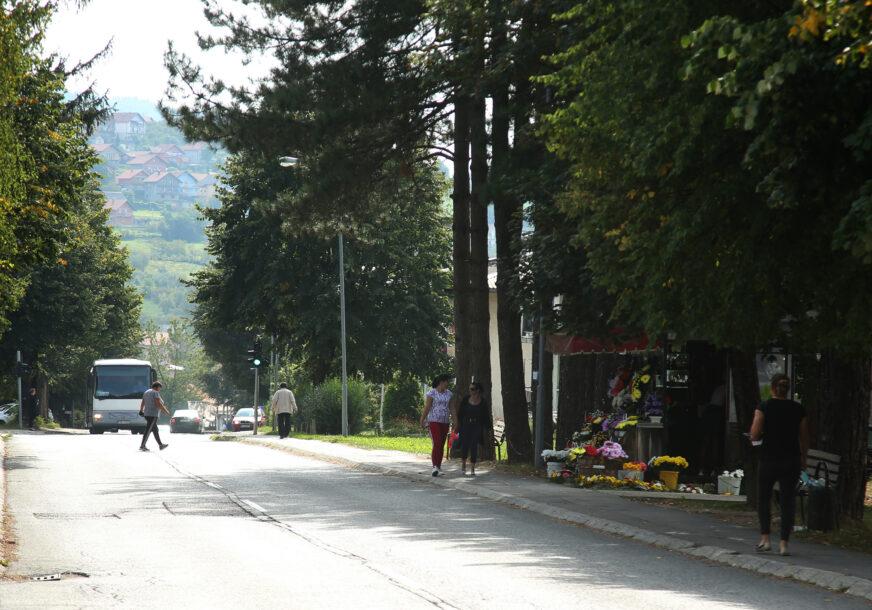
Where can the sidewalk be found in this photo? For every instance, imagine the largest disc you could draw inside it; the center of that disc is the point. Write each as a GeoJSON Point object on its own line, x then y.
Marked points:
{"type": "Point", "coordinates": [611, 512]}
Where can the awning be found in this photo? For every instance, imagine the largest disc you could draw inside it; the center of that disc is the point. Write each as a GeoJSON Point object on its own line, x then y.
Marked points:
{"type": "Point", "coordinates": [619, 340]}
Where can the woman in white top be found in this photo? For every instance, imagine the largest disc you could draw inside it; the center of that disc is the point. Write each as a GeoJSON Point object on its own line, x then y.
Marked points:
{"type": "Point", "coordinates": [437, 409]}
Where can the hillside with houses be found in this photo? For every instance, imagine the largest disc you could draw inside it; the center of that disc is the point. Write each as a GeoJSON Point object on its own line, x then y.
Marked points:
{"type": "Point", "coordinates": [152, 181]}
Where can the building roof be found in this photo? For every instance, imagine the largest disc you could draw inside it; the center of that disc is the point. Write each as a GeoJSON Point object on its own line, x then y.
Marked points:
{"type": "Point", "coordinates": [126, 117]}
{"type": "Point", "coordinates": [130, 174]}
{"type": "Point", "coordinates": [117, 204]}
{"type": "Point", "coordinates": [160, 177]}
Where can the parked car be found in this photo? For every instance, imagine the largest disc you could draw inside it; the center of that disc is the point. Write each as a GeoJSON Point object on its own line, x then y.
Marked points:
{"type": "Point", "coordinates": [186, 420]}
{"type": "Point", "coordinates": [244, 419]}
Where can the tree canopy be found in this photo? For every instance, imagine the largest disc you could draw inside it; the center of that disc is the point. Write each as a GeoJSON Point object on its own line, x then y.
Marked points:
{"type": "Point", "coordinates": [265, 279]}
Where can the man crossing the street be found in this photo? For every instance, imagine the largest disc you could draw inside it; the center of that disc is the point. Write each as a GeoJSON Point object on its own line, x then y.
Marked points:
{"type": "Point", "coordinates": [150, 408]}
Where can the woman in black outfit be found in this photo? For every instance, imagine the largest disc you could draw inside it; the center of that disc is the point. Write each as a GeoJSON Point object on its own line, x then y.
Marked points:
{"type": "Point", "coordinates": [783, 427]}
{"type": "Point", "coordinates": [472, 416]}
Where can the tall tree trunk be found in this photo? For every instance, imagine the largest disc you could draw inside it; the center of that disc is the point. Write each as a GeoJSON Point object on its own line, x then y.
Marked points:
{"type": "Point", "coordinates": [841, 424]}
{"type": "Point", "coordinates": [479, 330]}
{"type": "Point", "coordinates": [463, 344]}
{"type": "Point", "coordinates": [507, 226]}
{"type": "Point", "coordinates": [746, 393]}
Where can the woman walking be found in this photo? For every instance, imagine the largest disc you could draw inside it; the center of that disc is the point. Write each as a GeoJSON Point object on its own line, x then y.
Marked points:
{"type": "Point", "coordinates": [437, 408]}
{"type": "Point", "coordinates": [473, 418]}
{"type": "Point", "coordinates": [783, 427]}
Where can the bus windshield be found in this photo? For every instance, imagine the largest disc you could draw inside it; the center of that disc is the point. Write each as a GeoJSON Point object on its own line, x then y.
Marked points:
{"type": "Point", "coordinates": [125, 381]}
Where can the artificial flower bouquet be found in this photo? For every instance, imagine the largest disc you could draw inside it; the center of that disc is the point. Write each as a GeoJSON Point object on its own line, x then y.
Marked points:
{"type": "Point", "coordinates": [612, 451]}
{"type": "Point", "coordinates": [628, 423]}
{"type": "Point", "coordinates": [551, 455]}
{"type": "Point", "coordinates": [640, 466]}
{"type": "Point", "coordinates": [669, 463]}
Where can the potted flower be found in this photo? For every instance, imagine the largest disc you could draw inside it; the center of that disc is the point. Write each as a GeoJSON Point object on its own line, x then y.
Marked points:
{"type": "Point", "coordinates": [632, 470]}
{"type": "Point", "coordinates": [554, 460]}
{"type": "Point", "coordinates": [654, 408]}
{"type": "Point", "coordinates": [613, 455]}
{"type": "Point", "coordinates": [730, 482]}
{"type": "Point", "coordinates": [669, 467]}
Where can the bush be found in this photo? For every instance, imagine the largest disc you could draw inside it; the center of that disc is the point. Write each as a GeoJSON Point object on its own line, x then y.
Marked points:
{"type": "Point", "coordinates": [324, 405]}
{"type": "Point", "coordinates": [404, 399]}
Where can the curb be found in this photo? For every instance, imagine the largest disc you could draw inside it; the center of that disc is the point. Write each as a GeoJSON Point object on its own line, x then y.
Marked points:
{"type": "Point", "coordinates": [840, 583]}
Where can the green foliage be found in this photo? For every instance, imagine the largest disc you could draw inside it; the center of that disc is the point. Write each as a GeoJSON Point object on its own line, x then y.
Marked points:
{"type": "Point", "coordinates": [403, 399]}
{"type": "Point", "coordinates": [44, 161]}
{"type": "Point", "coordinates": [285, 284]}
{"type": "Point", "coordinates": [180, 350]}
{"type": "Point", "coordinates": [323, 404]}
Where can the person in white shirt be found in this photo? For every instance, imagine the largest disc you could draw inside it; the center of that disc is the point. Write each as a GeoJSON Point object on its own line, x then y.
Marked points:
{"type": "Point", "coordinates": [284, 405]}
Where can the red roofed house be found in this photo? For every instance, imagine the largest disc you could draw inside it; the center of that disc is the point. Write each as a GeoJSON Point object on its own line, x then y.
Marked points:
{"type": "Point", "coordinates": [161, 186]}
{"type": "Point", "coordinates": [132, 179]}
{"type": "Point", "coordinates": [109, 153]}
{"type": "Point", "coordinates": [120, 212]}
{"type": "Point", "coordinates": [147, 161]}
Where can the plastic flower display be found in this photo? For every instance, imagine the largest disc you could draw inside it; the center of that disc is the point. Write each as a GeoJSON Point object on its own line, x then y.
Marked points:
{"type": "Point", "coordinates": [640, 379]}
{"type": "Point", "coordinates": [550, 455]}
{"type": "Point", "coordinates": [641, 466]}
{"type": "Point", "coordinates": [620, 387]}
{"type": "Point", "coordinates": [666, 462]}
{"type": "Point", "coordinates": [653, 405]}
{"type": "Point", "coordinates": [612, 451]}
{"type": "Point", "coordinates": [627, 423]}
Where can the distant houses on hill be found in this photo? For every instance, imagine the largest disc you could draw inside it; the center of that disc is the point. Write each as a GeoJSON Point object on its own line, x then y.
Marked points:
{"type": "Point", "coordinates": [178, 174]}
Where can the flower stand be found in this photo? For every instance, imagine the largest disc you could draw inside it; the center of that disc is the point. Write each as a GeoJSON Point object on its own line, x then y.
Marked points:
{"type": "Point", "coordinates": [669, 478]}
{"type": "Point", "coordinates": [729, 485]}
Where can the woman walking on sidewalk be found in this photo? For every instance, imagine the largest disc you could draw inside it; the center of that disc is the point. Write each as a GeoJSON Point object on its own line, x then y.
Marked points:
{"type": "Point", "coordinates": [473, 418]}
{"type": "Point", "coordinates": [781, 424]}
{"type": "Point", "coordinates": [437, 408]}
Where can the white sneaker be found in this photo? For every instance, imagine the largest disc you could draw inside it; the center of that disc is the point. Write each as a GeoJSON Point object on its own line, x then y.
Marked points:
{"type": "Point", "coordinates": [435, 471]}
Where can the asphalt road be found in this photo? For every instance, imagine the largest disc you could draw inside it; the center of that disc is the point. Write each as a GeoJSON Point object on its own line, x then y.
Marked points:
{"type": "Point", "coordinates": [208, 524]}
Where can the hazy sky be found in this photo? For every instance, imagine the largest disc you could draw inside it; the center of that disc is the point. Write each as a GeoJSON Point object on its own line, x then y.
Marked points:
{"type": "Point", "coordinates": [141, 30]}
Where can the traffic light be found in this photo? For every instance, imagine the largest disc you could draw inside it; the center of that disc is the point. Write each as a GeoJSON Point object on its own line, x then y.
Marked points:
{"type": "Point", "coordinates": [255, 357]}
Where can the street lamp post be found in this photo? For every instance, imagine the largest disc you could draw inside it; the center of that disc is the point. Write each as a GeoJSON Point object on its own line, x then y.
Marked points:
{"type": "Point", "coordinates": [290, 162]}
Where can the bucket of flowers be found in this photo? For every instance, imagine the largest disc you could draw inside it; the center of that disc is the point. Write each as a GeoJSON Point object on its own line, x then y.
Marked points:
{"type": "Point", "coordinates": [669, 467]}
{"type": "Point", "coordinates": [554, 460]}
{"type": "Point", "coordinates": [632, 470]}
{"type": "Point", "coordinates": [613, 456]}
{"type": "Point", "coordinates": [730, 482]}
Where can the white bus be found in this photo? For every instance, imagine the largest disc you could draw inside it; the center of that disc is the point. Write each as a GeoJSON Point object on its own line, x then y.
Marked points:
{"type": "Point", "coordinates": [115, 389]}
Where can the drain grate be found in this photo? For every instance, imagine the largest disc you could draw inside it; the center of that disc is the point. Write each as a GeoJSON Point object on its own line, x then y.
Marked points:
{"type": "Point", "coordinates": [58, 576]}
{"type": "Point", "coordinates": [75, 516]}
{"type": "Point", "coordinates": [45, 578]}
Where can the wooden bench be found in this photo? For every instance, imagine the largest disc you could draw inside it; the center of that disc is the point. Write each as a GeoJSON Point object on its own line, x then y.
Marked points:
{"type": "Point", "coordinates": [499, 436]}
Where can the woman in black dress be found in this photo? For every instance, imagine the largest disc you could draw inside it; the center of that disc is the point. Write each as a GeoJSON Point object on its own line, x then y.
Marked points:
{"type": "Point", "coordinates": [783, 427]}
{"type": "Point", "coordinates": [474, 418]}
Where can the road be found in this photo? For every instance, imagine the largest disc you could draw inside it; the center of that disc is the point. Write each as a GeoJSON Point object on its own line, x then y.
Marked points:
{"type": "Point", "coordinates": [210, 524]}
